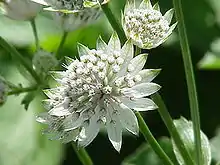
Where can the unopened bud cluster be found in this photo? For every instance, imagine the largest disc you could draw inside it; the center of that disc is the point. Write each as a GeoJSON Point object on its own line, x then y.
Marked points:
{"type": "Point", "coordinates": [146, 26]}
{"type": "Point", "coordinates": [43, 62]}
{"type": "Point", "coordinates": [150, 25]}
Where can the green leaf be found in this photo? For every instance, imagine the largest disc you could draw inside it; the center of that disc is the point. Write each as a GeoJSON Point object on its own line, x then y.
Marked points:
{"type": "Point", "coordinates": [144, 155]}
{"type": "Point", "coordinates": [21, 139]}
{"type": "Point", "coordinates": [28, 98]}
{"type": "Point", "coordinates": [215, 146]}
{"type": "Point", "coordinates": [209, 61]}
{"type": "Point", "coordinates": [185, 129]}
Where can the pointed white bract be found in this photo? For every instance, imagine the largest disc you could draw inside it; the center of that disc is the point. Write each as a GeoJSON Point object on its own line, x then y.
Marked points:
{"type": "Point", "coordinates": [43, 62]}
{"type": "Point", "coordinates": [72, 21]}
{"type": "Point", "coordinates": [145, 25]}
{"type": "Point", "coordinates": [20, 9]}
{"type": "Point", "coordinates": [103, 88]}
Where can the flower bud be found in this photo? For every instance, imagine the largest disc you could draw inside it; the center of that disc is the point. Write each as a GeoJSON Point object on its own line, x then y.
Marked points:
{"type": "Point", "coordinates": [20, 9]}
{"type": "Point", "coordinates": [43, 62]}
{"type": "Point", "coordinates": [146, 26]}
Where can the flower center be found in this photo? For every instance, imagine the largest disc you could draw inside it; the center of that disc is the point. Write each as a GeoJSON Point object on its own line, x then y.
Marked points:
{"type": "Point", "coordinates": [147, 25]}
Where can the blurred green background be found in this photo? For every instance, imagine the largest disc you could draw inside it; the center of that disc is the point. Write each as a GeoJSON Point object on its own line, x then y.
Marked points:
{"type": "Point", "coordinates": [21, 141]}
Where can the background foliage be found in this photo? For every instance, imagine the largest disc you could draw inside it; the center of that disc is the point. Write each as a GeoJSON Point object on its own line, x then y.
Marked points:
{"type": "Point", "coordinates": [22, 143]}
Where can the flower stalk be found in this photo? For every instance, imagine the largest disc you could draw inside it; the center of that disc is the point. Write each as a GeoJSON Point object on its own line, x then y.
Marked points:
{"type": "Point", "coordinates": [152, 141]}
{"type": "Point", "coordinates": [62, 41]}
{"type": "Point", "coordinates": [186, 54]}
{"type": "Point", "coordinates": [17, 56]}
{"type": "Point", "coordinates": [114, 22]}
{"type": "Point", "coordinates": [33, 25]}
{"type": "Point", "coordinates": [82, 155]}
{"type": "Point", "coordinates": [172, 128]}
{"type": "Point", "coordinates": [17, 91]}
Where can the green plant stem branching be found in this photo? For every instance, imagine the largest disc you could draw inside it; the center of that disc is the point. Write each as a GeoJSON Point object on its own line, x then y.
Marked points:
{"type": "Point", "coordinates": [62, 41]}
{"type": "Point", "coordinates": [82, 155]}
{"type": "Point", "coordinates": [33, 25]}
{"type": "Point", "coordinates": [186, 54]}
{"type": "Point", "coordinates": [172, 129]}
{"type": "Point", "coordinates": [18, 57]}
{"type": "Point", "coordinates": [18, 91]}
{"type": "Point", "coordinates": [152, 141]}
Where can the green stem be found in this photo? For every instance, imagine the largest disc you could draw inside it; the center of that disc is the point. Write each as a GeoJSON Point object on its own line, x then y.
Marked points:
{"type": "Point", "coordinates": [33, 25]}
{"type": "Point", "coordinates": [152, 141]}
{"type": "Point", "coordinates": [143, 127]}
{"type": "Point", "coordinates": [18, 57]}
{"type": "Point", "coordinates": [137, 50]}
{"type": "Point", "coordinates": [17, 91]}
{"type": "Point", "coordinates": [186, 54]}
{"type": "Point", "coordinates": [63, 39]}
{"type": "Point", "coordinates": [172, 129]}
{"type": "Point", "coordinates": [82, 155]}
{"type": "Point", "coordinates": [114, 22]}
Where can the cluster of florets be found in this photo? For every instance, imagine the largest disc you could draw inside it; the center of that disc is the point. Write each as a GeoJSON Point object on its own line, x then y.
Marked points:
{"type": "Point", "coordinates": [101, 89]}
{"type": "Point", "coordinates": [43, 62]}
{"type": "Point", "coordinates": [67, 6]}
{"type": "Point", "coordinates": [146, 26]}
{"type": "Point", "coordinates": [150, 25]}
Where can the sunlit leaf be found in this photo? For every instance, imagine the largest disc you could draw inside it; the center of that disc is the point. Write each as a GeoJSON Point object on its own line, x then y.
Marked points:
{"type": "Point", "coordinates": [144, 155]}
{"type": "Point", "coordinates": [185, 129]}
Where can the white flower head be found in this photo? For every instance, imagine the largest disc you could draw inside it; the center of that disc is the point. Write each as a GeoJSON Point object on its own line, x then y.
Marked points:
{"type": "Point", "coordinates": [68, 6]}
{"type": "Point", "coordinates": [19, 9]}
{"type": "Point", "coordinates": [3, 90]}
{"type": "Point", "coordinates": [145, 25]}
{"type": "Point", "coordinates": [43, 62]}
{"type": "Point", "coordinates": [103, 88]}
{"type": "Point", "coordinates": [72, 21]}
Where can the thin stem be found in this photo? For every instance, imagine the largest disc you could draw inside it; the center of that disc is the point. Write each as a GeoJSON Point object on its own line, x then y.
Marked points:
{"type": "Point", "coordinates": [33, 25]}
{"type": "Point", "coordinates": [82, 155]}
{"type": "Point", "coordinates": [18, 57]}
{"type": "Point", "coordinates": [186, 54]}
{"type": "Point", "coordinates": [17, 91]}
{"type": "Point", "coordinates": [137, 50]}
{"type": "Point", "coordinates": [172, 129]}
{"type": "Point", "coordinates": [143, 127]}
{"type": "Point", "coordinates": [152, 141]}
{"type": "Point", "coordinates": [62, 41]}
{"type": "Point", "coordinates": [114, 22]}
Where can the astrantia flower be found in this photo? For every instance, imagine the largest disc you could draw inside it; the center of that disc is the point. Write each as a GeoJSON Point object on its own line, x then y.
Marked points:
{"type": "Point", "coordinates": [71, 21]}
{"type": "Point", "coordinates": [146, 26]}
{"type": "Point", "coordinates": [68, 6]}
{"type": "Point", "coordinates": [20, 9]}
{"type": "Point", "coordinates": [103, 88]}
{"type": "Point", "coordinates": [43, 62]}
